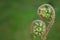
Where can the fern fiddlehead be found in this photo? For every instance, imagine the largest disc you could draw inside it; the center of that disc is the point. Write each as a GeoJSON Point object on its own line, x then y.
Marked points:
{"type": "Point", "coordinates": [40, 28]}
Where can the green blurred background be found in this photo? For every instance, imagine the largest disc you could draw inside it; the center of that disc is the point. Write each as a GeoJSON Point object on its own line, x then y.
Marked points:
{"type": "Point", "coordinates": [17, 15]}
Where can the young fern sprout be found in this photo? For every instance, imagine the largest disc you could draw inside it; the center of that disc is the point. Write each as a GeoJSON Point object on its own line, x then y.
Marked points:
{"type": "Point", "coordinates": [39, 28]}
{"type": "Point", "coordinates": [47, 12]}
